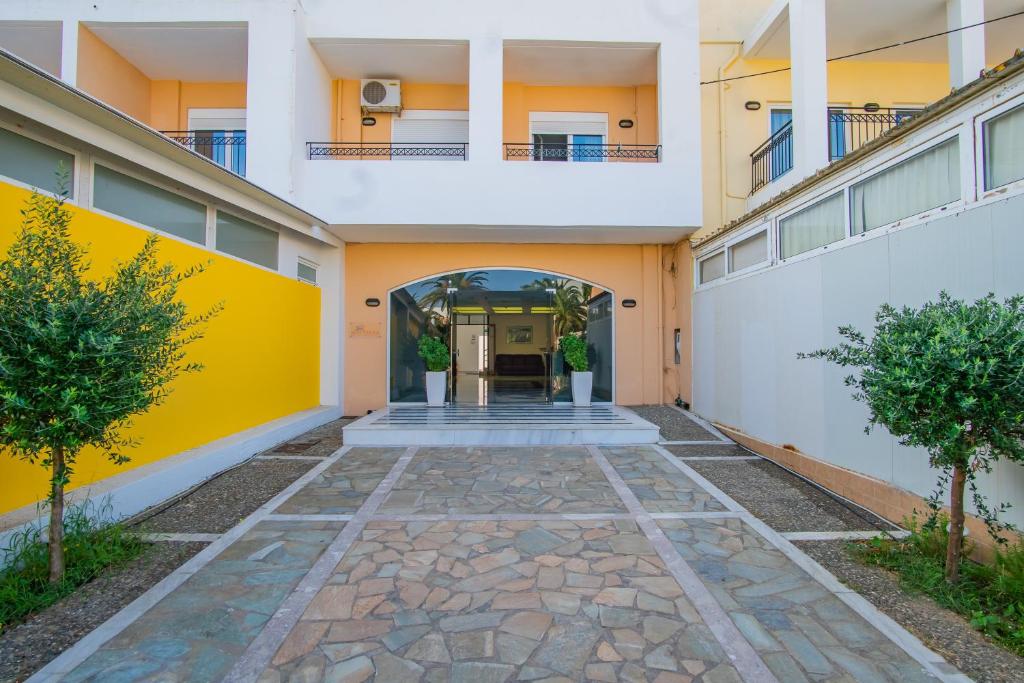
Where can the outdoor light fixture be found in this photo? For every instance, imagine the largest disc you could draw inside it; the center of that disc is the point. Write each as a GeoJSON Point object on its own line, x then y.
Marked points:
{"type": "Point", "coordinates": [625, 123]}
{"type": "Point", "coordinates": [871, 106]}
{"type": "Point", "coordinates": [752, 105]}
{"type": "Point", "coordinates": [373, 302]}
{"type": "Point", "coordinates": [629, 303]}
{"type": "Point", "coordinates": [369, 121]}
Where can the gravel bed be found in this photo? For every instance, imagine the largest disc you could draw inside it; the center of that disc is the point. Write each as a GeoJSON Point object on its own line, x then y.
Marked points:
{"type": "Point", "coordinates": [940, 629]}
{"type": "Point", "coordinates": [30, 645]}
{"type": "Point", "coordinates": [320, 442]}
{"type": "Point", "coordinates": [224, 501]}
{"type": "Point", "coordinates": [784, 501]}
{"type": "Point", "coordinates": [674, 425]}
{"type": "Point", "coordinates": [704, 451]}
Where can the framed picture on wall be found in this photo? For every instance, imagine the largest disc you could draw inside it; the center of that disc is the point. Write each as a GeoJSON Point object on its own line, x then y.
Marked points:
{"type": "Point", "coordinates": [519, 334]}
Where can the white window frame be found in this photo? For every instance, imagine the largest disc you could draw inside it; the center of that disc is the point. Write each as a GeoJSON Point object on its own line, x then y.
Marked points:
{"type": "Point", "coordinates": [309, 264]}
{"type": "Point", "coordinates": [214, 113]}
{"type": "Point", "coordinates": [847, 224]}
{"type": "Point", "coordinates": [979, 149]}
{"type": "Point", "coordinates": [746, 234]}
{"type": "Point", "coordinates": [569, 117]}
{"type": "Point", "coordinates": [720, 249]}
{"type": "Point", "coordinates": [79, 159]}
{"type": "Point", "coordinates": [248, 217]}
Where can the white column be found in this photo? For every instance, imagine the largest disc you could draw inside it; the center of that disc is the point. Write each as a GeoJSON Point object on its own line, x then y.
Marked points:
{"type": "Point", "coordinates": [809, 75]}
{"type": "Point", "coordinates": [270, 99]}
{"type": "Point", "coordinates": [486, 91]}
{"type": "Point", "coordinates": [967, 47]}
{"type": "Point", "coordinates": [69, 51]}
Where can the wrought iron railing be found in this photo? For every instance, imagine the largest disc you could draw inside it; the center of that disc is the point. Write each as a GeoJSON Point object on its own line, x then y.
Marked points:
{"type": "Point", "coordinates": [772, 158]}
{"type": "Point", "coordinates": [225, 147]}
{"type": "Point", "coordinates": [849, 128]}
{"type": "Point", "coordinates": [386, 150]}
{"type": "Point", "coordinates": [581, 152]}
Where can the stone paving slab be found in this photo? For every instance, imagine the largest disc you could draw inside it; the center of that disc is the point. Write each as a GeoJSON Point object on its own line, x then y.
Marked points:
{"type": "Point", "coordinates": [196, 632]}
{"type": "Point", "coordinates": [497, 601]}
{"type": "Point", "coordinates": [551, 479]}
{"type": "Point", "coordinates": [802, 631]}
{"type": "Point", "coordinates": [657, 484]}
{"type": "Point", "coordinates": [345, 485]}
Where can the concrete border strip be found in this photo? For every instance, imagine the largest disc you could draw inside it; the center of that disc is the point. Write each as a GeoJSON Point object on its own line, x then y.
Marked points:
{"type": "Point", "coordinates": [308, 518]}
{"type": "Point", "coordinates": [250, 666]}
{"type": "Point", "coordinates": [742, 655]}
{"type": "Point", "coordinates": [163, 537]}
{"type": "Point", "coordinates": [69, 659]}
{"type": "Point", "coordinates": [290, 457]}
{"type": "Point", "coordinates": [695, 443]}
{"type": "Point", "coordinates": [704, 423]}
{"type": "Point", "coordinates": [840, 535]}
{"type": "Point", "coordinates": [933, 663]}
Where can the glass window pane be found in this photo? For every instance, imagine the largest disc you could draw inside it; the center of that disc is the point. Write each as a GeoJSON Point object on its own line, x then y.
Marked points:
{"type": "Point", "coordinates": [749, 252]}
{"type": "Point", "coordinates": [306, 272]}
{"type": "Point", "coordinates": [813, 227]}
{"type": "Point", "coordinates": [33, 163]}
{"type": "Point", "coordinates": [712, 268]}
{"type": "Point", "coordinates": [1004, 148]}
{"type": "Point", "coordinates": [151, 206]}
{"type": "Point", "coordinates": [246, 240]}
{"type": "Point", "coordinates": [922, 182]}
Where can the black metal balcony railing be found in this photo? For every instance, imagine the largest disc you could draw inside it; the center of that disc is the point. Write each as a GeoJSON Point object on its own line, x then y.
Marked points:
{"type": "Point", "coordinates": [772, 158]}
{"type": "Point", "coordinates": [386, 150]}
{"type": "Point", "coordinates": [225, 147]}
{"type": "Point", "coordinates": [849, 128]}
{"type": "Point", "coordinates": [581, 152]}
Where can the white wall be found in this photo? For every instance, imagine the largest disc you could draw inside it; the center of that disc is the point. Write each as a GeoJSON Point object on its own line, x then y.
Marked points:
{"type": "Point", "coordinates": [747, 333]}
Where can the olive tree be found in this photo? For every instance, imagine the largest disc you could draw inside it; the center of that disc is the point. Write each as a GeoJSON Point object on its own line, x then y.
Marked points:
{"type": "Point", "coordinates": [947, 377]}
{"type": "Point", "coordinates": [79, 356]}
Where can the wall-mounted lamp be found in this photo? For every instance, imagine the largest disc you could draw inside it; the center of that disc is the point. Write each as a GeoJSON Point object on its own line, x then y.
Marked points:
{"type": "Point", "coordinates": [629, 303]}
{"type": "Point", "coordinates": [373, 302]}
{"type": "Point", "coordinates": [369, 121]}
{"type": "Point", "coordinates": [625, 123]}
{"type": "Point", "coordinates": [871, 106]}
{"type": "Point", "coordinates": [751, 105]}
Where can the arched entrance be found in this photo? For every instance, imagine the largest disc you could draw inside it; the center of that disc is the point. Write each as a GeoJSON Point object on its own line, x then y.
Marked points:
{"type": "Point", "coordinates": [502, 327]}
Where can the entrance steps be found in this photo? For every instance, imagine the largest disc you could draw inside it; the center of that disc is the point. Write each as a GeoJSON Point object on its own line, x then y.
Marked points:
{"type": "Point", "coordinates": [500, 425]}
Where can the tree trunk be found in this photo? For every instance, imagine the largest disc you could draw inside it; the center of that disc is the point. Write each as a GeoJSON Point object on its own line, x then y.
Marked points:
{"type": "Point", "coordinates": [956, 524]}
{"type": "Point", "coordinates": [57, 517]}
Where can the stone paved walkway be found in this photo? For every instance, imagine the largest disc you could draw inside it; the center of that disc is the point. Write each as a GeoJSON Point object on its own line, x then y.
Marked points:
{"type": "Point", "coordinates": [500, 564]}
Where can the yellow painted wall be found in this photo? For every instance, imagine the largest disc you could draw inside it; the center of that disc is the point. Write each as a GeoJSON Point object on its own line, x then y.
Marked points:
{"type": "Point", "coordinates": [171, 100]}
{"type": "Point", "coordinates": [631, 271]}
{"type": "Point", "coordinates": [107, 76]}
{"type": "Point", "coordinates": [261, 354]}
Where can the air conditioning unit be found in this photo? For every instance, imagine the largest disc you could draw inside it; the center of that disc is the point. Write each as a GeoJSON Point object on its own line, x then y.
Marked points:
{"type": "Point", "coordinates": [380, 95]}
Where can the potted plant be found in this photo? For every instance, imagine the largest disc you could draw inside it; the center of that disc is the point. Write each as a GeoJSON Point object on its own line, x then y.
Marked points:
{"type": "Point", "coordinates": [574, 349]}
{"type": "Point", "coordinates": [438, 358]}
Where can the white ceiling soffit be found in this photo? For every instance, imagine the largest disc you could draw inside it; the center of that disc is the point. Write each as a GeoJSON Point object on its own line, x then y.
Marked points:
{"type": "Point", "coordinates": [37, 42]}
{"type": "Point", "coordinates": [865, 24]}
{"type": "Point", "coordinates": [416, 61]}
{"type": "Point", "coordinates": [197, 52]}
{"type": "Point", "coordinates": [625, 64]}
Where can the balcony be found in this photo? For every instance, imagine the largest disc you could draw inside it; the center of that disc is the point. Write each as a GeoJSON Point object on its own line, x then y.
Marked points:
{"type": "Point", "coordinates": [386, 150]}
{"type": "Point", "coordinates": [849, 129]}
{"type": "Point", "coordinates": [224, 147]}
{"type": "Point", "coordinates": [561, 150]}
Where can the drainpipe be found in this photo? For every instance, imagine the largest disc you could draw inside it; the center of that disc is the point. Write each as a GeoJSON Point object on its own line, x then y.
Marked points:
{"type": "Point", "coordinates": [661, 326]}
{"type": "Point", "coordinates": [723, 176]}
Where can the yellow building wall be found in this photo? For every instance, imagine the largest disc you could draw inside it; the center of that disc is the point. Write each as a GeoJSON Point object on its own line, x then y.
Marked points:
{"type": "Point", "coordinates": [730, 132]}
{"type": "Point", "coordinates": [109, 77]}
{"type": "Point", "coordinates": [171, 100]}
{"type": "Point", "coordinates": [262, 353]}
{"type": "Point", "coordinates": [630, 271]}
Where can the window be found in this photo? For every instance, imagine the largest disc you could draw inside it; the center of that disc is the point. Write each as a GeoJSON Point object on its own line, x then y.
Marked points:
{"type": "Point", "coordinates": [306, 271]}
{"type": "Point", "coordinates": [712, 268]}
{"type": "Point", "coordinates": [568, 136]}
{"type": "Point", "coordinates": [922, 182]}
{"type": "Point", "coordinates": [33, 163]}
{"type": "Point", "coordinates": [246, 240]}
{"type": "Point", "coordinates": [748, 252]}
{"type": "Point", "coordinates": [1004, 148]}
{"type": "Point", "coordinates": [819, 224]}
{"type": "Point", "coordinates": [151, 206]}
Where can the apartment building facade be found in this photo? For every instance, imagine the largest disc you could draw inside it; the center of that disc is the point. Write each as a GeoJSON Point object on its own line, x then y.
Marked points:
{"type": "Point", "coordinates": [363, 174]}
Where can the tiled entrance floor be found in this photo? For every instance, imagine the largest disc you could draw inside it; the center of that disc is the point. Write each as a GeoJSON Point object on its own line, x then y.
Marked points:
{"type": "Point", "coordinates": [554, 563]}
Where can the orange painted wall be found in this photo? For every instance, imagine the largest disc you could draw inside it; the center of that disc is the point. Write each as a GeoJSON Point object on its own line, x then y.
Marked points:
{"type": "Point", "coordinates": [107, 76]}
{"type": "Point", "coordinates": [346, 115]}
{"type": "Point", "coordinates": [171, 100]}
{"type": "Point", "coordinates": [677, 288]}
{"type": "Point", "coordinates": [631, 271]}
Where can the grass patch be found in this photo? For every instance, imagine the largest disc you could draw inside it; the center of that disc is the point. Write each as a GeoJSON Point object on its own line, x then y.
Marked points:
{"type": "Point", "coordinates": [90, 546]}
{"type": "Point", "coordinates": [991, 597]}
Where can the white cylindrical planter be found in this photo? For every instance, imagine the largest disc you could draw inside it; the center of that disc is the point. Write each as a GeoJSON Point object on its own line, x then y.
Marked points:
{"type": "Point", "coordinates": [582, 385]}
{"type": "Point", "coordinates": [437, 384]}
